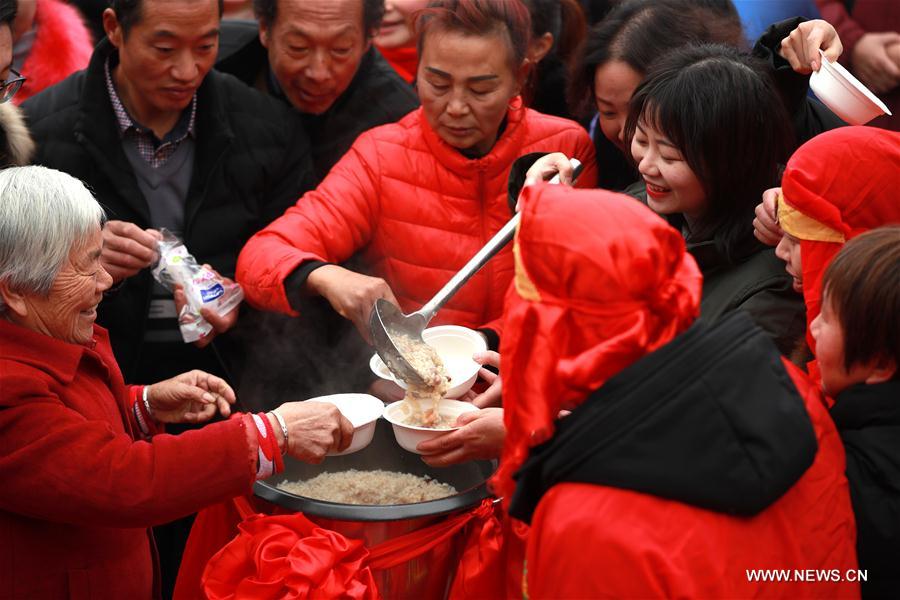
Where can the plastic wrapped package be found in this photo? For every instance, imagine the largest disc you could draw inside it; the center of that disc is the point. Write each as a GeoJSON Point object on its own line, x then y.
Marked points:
{"type": "Point", "coordinates": [203, 288]}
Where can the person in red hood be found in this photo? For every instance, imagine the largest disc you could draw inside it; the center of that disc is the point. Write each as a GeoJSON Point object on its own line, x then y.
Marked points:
{"type": "Point", "coordinates": [835, 187]}
{"type": "Point", "coordinates": [694, 454]}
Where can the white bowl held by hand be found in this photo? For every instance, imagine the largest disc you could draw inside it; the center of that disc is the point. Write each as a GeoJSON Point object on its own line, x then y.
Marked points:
{"type": "Point", "coordinates": [362, 410]}
{"type": "Point", "coordinates": [410, 436]}
{"type": "Point", "coordinates": [455, 345]}
{"type": "Point", "coordinates": [844, 94]}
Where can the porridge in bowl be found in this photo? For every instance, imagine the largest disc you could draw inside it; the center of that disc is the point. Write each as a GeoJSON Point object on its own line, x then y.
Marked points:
{"type": "Point", "coordinates": [424, 398]}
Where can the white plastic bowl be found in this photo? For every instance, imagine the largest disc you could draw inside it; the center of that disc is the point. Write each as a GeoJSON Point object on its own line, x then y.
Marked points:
{"type": "Point", "coordinates": [844, 94]}
{"type": "Point", "coordinates": [455, 345]}
{"type": "Point", "coordinates": [362, 410]}
{"type": "Point", "coordinates": [410, 436]}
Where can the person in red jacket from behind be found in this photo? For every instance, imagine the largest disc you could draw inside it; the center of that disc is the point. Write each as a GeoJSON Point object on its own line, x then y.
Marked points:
{"type": "Point", "coordinates": [694, 456]}
{"type": "Point", "coordinates": [51, 43]}
{"type": "Point", "coordinates": [420, 197]}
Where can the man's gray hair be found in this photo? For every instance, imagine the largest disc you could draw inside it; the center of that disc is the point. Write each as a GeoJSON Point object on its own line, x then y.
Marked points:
{"type": "Point", "coordinates": [43, 214]}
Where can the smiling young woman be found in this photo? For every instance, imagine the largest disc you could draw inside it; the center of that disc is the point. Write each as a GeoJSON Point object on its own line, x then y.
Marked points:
{"type": "Point", "coordinates": [707, 131]}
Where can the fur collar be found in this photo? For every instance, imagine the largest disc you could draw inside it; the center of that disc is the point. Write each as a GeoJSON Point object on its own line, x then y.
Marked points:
{"type": "Point", "coordinates": [18, 148]}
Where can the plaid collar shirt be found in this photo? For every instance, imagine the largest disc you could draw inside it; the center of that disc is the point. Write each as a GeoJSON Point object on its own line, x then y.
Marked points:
{"type": "Point", "coordinates": [153, 150]}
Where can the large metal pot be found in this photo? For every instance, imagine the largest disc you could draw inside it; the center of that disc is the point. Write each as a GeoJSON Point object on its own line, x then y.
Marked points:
{"type": "Point", "coordinates": [427, 576]}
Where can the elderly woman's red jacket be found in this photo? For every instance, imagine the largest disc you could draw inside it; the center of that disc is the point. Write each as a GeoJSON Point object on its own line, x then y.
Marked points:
{"type": "Point", "coordinates": [78, 485]}
{"type": "Point", "coordinates": [417, 208]}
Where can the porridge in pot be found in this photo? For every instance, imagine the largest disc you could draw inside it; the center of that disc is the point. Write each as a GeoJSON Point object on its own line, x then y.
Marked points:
{"type": "Point", "coordinates": [369, 487]}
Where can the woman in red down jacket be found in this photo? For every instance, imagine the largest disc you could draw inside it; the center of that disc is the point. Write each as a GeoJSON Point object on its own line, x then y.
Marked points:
{"type": "Point", "coordinates": [421, 196]}
{"type": "Point", "coordinates": [694, 453]}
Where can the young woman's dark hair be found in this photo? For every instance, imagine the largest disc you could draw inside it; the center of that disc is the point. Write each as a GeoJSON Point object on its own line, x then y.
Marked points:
{"type": "Point", "coordinates": [480, 18]}
{"type": "Point", "coordinates": [638, 32]}
{"type": "Point", "coordinates": [128, 12]}
{"type": "Point", "coordinates": [373, 11]}
{"type": "Point", "coordinates": [862, 285]}
{"type": "Point", "coordinates": [721, 110]}
{"type": "Point", "coordinates": [564, 19]}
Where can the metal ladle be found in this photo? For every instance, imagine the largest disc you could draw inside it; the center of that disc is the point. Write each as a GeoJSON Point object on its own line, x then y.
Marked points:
{"type": "Point", "coordinates": [387, 322]}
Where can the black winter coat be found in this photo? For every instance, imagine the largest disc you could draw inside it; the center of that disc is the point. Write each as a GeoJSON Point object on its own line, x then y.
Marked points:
{"type": "Point", "coordinates": [754, 282]}
{"type": "Point", "coordinates": [868, 419]}
{"type": "Point", "coordinates": [252, 162]}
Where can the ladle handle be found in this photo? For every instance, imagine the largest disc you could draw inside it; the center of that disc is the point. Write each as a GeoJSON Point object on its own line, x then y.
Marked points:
{"type": "Point", "coordinates": [500, 239]}
{"type": "Point", "coordinates": [494, 245]}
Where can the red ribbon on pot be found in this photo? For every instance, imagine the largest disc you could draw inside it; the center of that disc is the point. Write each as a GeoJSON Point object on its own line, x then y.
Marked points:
{"type": "Point", "coordinates": [289, 556]}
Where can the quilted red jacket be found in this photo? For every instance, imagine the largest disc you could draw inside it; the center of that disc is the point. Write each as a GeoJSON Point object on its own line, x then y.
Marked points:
{"type": "Point", "coordinates": [78, 487]}
{"type": "Point", "coordinates": [417, 208]}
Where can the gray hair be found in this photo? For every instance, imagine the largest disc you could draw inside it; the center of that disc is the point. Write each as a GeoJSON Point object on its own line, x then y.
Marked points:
{"type": "Point", "coordinates": [43, 214]}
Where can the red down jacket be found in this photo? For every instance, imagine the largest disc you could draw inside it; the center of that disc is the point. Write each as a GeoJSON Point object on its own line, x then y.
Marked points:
{"type": "Point", "coordinates": [417, 208]}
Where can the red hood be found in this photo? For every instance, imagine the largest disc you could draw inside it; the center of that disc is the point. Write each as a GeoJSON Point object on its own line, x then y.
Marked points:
{"type": "Point", "coordinates": [847, 180]}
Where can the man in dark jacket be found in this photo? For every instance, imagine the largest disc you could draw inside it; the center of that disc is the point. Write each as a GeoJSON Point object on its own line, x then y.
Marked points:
{"type": "Point", "coordinates": [164, 142]}
{"type": "Point", "coordinates": [317, 56]}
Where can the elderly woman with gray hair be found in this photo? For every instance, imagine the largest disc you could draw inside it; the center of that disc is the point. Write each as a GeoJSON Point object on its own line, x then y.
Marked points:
{"type": "Point", "coordinates": [84, 463]}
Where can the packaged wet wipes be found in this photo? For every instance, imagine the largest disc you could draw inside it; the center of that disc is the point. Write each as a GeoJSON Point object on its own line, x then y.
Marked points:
{"type": "Point", "coordinates": [202, 287]}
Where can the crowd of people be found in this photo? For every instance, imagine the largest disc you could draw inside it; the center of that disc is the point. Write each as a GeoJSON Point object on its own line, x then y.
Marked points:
{"type": "Point", "coordinates": [694, 343]}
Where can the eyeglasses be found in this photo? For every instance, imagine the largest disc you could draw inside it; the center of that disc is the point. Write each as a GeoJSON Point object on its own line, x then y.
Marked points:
{"type": "Point", "coordinates": [9, 87]}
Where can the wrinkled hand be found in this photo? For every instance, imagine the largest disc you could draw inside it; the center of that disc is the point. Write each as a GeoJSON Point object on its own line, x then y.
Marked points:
{"type": "Point", "coordinates": [351, 294]}
{"type": "Point", "coordinates": [872, 64]}
{"type": "Point", "coordinates": [480, 436]}
{"type": "Point", "coordinates": [386, 390]}
{"type": "Point", "coordinates": [492, 395]}
{"type": "Point", "coordinates": [192, 397]}
{"type": "Point", "coordinates": [765, 225]}
{"type": "Point", "coordinates": [314, 430]}
{"type": "Point", "coordinates": [801, 47]}
{"type": "Point", "coordinates": [220, 324]}
{"type": "Point", "coordinates": [549, 165]}
{"type": "Point", "coordinates": [127, 249]}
